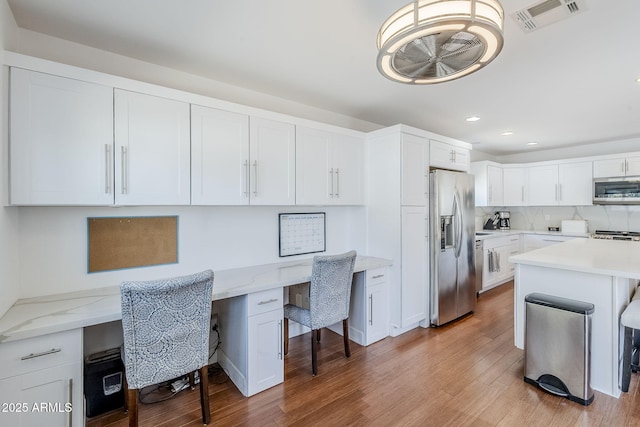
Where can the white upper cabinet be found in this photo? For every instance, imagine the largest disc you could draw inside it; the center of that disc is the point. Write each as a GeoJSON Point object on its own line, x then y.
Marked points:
{"type": "Point", "coordinates": [488, 182]}
{"type": "Point", "coordinates": [574, 183]}
{"type": "Point", "coordinates": [543, 185]}
{"type": "Point", "coordinates": [623, 166]}
{"type": "Point", "coordinates": [415, 170]}
{"type": "Point", "coordinates": [514, 186]}
{"type": "Point", "coordinates": [448, 156]}
{"type": "Point", "coordinates": [61, 142]}
{"type": "Point", "coordinates": [238, 160]}
{"type": "Point", "coordinates": [152, 153]}
{"type": "Point", "coordinates": [219, 157]}
{"type": "Point", "coordinates": [560, 184]}
{"type": "Point", "coordinates": [329, 168]}
{"type": "Point", "coordinates": [272, 167]}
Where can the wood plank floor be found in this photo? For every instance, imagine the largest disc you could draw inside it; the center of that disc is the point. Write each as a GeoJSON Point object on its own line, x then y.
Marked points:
{"type": "Point", "coordinates": [467, 373]}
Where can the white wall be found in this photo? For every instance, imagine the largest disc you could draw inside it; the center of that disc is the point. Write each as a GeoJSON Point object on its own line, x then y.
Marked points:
{"type": "Point", "coordinates": [53, 242]}
{"type": "Point", "coordinates": [9, 279]}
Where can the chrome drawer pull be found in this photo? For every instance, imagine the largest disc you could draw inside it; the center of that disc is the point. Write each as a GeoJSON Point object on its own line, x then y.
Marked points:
{"type": "Point", "coordinates": [44, 353]}
{"type": "Point", "coordinates": [268, 301]}
{"type": "Point", "coordinates": [377, 276]}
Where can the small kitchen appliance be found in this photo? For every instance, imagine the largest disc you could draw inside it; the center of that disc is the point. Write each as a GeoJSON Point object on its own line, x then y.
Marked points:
{"type": "Point", "coordinates": [505, 220]}
{"type": "Point", "coordinates": [616, 235]}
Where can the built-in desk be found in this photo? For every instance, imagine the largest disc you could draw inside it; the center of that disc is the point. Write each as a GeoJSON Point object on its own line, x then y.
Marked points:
{"type": "Point", "coordinates": [42, 324]}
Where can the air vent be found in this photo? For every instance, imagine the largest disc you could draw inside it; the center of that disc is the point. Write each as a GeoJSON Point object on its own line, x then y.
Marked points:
{"type": "Point", "coordinates": [547, 12]}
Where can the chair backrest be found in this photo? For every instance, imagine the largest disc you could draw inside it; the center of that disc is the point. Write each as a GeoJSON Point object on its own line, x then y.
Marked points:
{"type": "Point", "coordinates": [330, 289]}
{"type": "Point", "coordinates": [166, 327]}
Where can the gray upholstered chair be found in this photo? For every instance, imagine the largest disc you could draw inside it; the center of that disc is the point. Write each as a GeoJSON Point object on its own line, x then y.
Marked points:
{"type": "Point", "coordinates": [630, 320]}
{"type": "Point", "coordinates": [166, 334]}
{"type": "Point", "coordinates": [329, 297]}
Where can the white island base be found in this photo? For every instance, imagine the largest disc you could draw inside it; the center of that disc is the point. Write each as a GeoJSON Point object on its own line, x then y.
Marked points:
{"type": "Point", "coordinates": [587, 270]}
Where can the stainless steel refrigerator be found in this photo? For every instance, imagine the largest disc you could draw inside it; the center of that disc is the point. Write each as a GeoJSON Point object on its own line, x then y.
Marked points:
{"type": "Point", "coordinates": [451, 245]}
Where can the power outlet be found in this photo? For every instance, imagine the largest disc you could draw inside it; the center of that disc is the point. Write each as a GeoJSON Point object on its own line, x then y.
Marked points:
{"type": "Point", "coordinates": [547, 217]}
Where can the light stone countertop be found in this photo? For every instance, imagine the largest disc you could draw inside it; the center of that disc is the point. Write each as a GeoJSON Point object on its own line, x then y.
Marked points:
{"type": "Point", "coordinates": [490, 234]}
{"type": "Point", "coordinates": [31, 317]}
{"type": "Point", "coordinates": [616, 258]}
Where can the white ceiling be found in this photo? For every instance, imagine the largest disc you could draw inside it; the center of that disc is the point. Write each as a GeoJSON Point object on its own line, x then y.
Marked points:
{"type": "Point", "coordinates": [566, 84]}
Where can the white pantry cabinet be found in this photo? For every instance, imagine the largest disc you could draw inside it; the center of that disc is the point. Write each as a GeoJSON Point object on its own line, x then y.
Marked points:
{"type": "Point", "coordinates": [152, 150]}
{"type": "Point", "coordinates": [61, 141]}
{"type": "Point", "coordinates": [415, 254]}
{"type": "Point", "coordinates": [621, 166]}
{"type": "Point", "coordinates": [252, 353]}
{"type": "Point", "coordinates": [448, 156]}
{"type": "Point", "coordinates": [329, 168]}
{"type": "Point", "coordinates": [415, 170]}
{"type": "Point", "coordinates": [488, 183]}
{"type": "Point", "coordinates": [41, 381]}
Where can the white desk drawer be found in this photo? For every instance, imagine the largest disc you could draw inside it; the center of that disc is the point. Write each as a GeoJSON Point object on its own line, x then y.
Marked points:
{"type": "Point", "coordinates": [262, 302]}
{"type": "Point", "coordinates": [46, 351]}
{"type": "Point", "coordinates": [375, 276]}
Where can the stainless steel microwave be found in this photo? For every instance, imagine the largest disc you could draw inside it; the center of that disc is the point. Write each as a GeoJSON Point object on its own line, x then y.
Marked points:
{"type": "Point", "coordinates": [616, 191]}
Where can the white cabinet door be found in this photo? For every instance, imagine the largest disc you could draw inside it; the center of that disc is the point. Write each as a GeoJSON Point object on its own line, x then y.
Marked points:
{"type": "Point", "coordinates": [633, 166]}
{"type": "Point", "coordinates": [152, 150]}
{"type": "Point", "coordinates": [61, 141]}
{"type": "Point", "coordinates": [488, 184]}
{"type": "Point", "coordinates": [415, 261]}
{"type": "Point", "coordinates": [415, 170]}
{"type": "Point", "coordinates": [448, 156]}
{"type": "Point", "coordinates": [348, 166]}
{"type": "Point", "coordinates": [313, 167]}
{"type": "Point", "coordinates": [377, 313]}
{"type": "Point", "coordinates": [514, 185]}
{"type": "Point", "coordinates": [265, 351]}
{"type": "Point", "coordinates": [271, 162]}
{"type": "Point", "coordinates": [543, 185]}
{"type": "Point", "coordinates": [609, 168]}
{"type": "Point", "coordinates": [575, 183]}
{"type": "Point", "coordinates": [329, 168]}
{"type": "Point", "coordinates": [219, 157]}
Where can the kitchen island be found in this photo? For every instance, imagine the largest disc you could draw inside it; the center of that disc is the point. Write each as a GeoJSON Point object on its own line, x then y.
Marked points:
{"type": "Point", "coordinates": [601, 272]}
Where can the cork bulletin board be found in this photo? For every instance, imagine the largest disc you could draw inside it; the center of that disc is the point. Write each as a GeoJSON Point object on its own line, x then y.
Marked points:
{"type": "Point", "coordinates": [127, 242]}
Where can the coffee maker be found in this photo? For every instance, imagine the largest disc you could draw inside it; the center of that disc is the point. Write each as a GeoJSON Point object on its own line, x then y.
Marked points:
{"type": "Point", "coordinates": [505, 221]}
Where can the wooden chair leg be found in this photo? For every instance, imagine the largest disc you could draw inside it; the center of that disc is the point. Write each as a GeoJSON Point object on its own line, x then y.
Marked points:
{"type": "Point", "coordinates": [626, 360]}
{"type": "Point", "coordinates": [132, 398]}
{"type": "Point", "coordinates": [314, 353]}
{"type": "Point", "coordinates": [125, 388]}
{"type": "Point", "coordinates": [345, 336]}
{"type": "Point", "coordinates": [204, 394]}
{"type": "Point", "coordinates": [286, 336]}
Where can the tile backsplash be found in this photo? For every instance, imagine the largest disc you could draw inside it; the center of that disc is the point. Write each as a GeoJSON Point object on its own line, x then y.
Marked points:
{"type": "Point", "coordinates": [538, 218]}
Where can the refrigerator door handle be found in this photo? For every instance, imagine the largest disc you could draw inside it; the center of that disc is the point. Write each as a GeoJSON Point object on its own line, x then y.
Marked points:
{"type": "Point", "coordinates": [457, 224]}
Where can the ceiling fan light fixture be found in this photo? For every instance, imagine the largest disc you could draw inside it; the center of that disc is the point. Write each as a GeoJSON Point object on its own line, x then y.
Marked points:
{"type": "Point", "coordinates": [432, 41]}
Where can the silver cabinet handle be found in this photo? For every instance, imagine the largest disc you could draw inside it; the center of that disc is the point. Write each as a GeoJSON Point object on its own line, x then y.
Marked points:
{"type": "Point", "coordinates": [371, 309]}
{"type": "Point", "coordinates": [626, 166]}
{"type": "Point", "coordinates": [70, 413]}
{"type": "Point", "coordinates": [255, 178]}
{"type": "Point", "coordinates": [280, 339]}
{"type": "Point", "coordinates": [559, 192]}
{"type": "Point", "coordinates": [331, 186]}
{"type": "Point", "coordinates": [377, 276]}
{"type": "Point", "coordinates": [522, 197]}
{"type": "Point", "coordinates": [246, 178]}
{"type": "Point", "coordinates": [269, 301]}
{"type": "Point", "coordinates": [338, 182]}
{"type": "Point", "coordinates": [44, 353]}
{"type": "Point", "coordinates": [123, 170]}
{"type": "Point", "coordinates": [107, 168]}
{"type": "Point", "coordinates": [556, 192]}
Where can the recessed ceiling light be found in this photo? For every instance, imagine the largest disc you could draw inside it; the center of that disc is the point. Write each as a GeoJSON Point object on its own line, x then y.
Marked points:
{"type": "Point", "coordinates": [638, 80]}
{"type": "Point", "coordinates": [507, 133]}
{"type": "Point", "coordinates": [473, 119]}
{"type": "Point", "coordinates": [532, 143]}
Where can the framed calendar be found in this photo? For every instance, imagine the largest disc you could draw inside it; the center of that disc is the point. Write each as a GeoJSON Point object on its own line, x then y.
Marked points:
{"type": "Point", "coordinates": [302, 233]}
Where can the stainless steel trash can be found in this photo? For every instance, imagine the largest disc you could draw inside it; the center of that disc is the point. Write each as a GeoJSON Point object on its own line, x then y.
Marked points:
{"type": "Point", "coordinates": [557, 347]}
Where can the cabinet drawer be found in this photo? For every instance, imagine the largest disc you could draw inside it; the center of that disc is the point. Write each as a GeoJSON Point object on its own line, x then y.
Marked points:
{"type": "Point", "coordinates": [46, 351]}
{"type": "Point", "coordinates": [376, 276]}
{"type": "Point", "coordinates": [262, 302]}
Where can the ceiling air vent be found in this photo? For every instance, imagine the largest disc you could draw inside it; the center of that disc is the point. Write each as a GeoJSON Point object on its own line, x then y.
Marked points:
{"type": "Point", "coordinates": [547, 12]}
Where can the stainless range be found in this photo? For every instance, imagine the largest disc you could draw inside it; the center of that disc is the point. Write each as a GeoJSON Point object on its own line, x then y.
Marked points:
{"type": "Point", "coordinates": [616, 235]}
